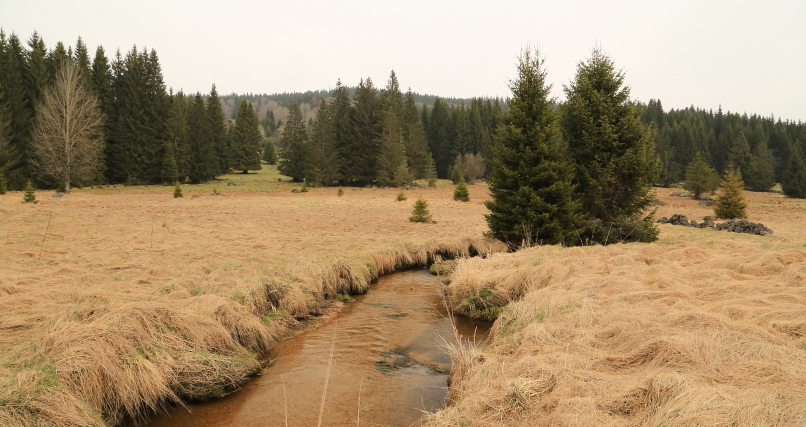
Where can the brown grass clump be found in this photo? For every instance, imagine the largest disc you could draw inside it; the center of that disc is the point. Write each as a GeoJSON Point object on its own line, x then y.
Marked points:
{"type": "Point", "coordinates": [139, 299]}
{"type": "Point", "coordinates": [701, 328]}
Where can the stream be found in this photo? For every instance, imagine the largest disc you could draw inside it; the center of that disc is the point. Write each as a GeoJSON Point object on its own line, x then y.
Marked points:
{"type": "Point", "coordinates": [386, 354]}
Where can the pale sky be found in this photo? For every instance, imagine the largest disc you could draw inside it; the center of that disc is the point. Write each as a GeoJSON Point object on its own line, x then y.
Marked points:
{"type": "Point", "coordinates": [748, 56]}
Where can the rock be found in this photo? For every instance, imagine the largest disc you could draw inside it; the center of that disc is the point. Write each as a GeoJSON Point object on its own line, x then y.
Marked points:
{"type": "Point", "coordinates": [57, 194]}
{"type": "Point", "coordinates": [694, 224]}
{"type": "Point", "coordinates": [295, 191]}
{"type": "Point", "coordinates": [706, 201]}
{"type": "Point", "coordinates": [194, 196]}
{"type": "Point", "coordinates": [386, 187]}
{"type": "Point", "coordinates": [744, 226]}
{"type": "Point", "coordinates": [232, 184]}
{"type": "Point", "coordinates": [659, 202]}
{"type": "Point", "coordinates": [663, 220]}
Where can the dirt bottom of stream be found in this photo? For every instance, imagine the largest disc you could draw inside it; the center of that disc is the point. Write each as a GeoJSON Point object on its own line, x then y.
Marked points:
{"type": "Point", "coordinates": [387, 365]}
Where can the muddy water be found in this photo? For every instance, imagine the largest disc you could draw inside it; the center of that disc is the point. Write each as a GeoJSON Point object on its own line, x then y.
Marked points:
{"type": "Point", "coordinates": [386, 359]}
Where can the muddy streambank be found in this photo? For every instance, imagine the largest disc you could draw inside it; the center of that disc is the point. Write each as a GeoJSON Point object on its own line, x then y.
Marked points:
{"type": "Point", "coordinates": [386, 357]}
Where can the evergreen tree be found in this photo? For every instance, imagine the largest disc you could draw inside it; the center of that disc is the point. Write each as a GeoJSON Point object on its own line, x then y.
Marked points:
{"type": "Point", "coordinates": [461, 193]}
{"type": "Point", "coordinates": [170, 171]}
{"type": "Point", "coordinates": [360, 163]}
{"type": "Point", "coordinates": [421, 164]}
{"type": "Point", "coordinates": [39, 76]}
{"type": "Point", "coordinates": [739, 152]}
{"type": "Point", "coordinates": [420, 212]}
{"type": "Point", "coordinates": [81, 58]}
{"type": "Point", "coordinates": [270, 152]}
{"type": "Point", "coordinates": [614, 153]}
{"type": "Point", "coordinates": [392, 155]}
{"type": "Point", "coordinates": [793, 183]}
{"type": "Point", "coordinates": [530, 181]}
{"type": "Point", "coordinates": [218, 129]}
{"type": "Point", "coordinates": [20, 109]}
{"type": "Point", "coordinates": [730, 204]}
{"type": "Point", "coordinates": [56, 59]}
{"type": "Point", "coordinates": [341, 114]}
{"type": "Point", "coordinates": [294, 146]}
{"type": "Point", "coordinates": [178, 139]}
{"type": "Point", "coordinates": [439, 133]}
{"type": "Point", "coordinates": [401, 196]}
{"type": "Point", "coordinates": [760, 174]}
{"type": "Point", "coordinates": [324, 155]}
{"type": "Point", "coordinates": [177, 191]}
{"type": "Point", "coordinates": [30, 194]}
{"type": "Point", "coordinates": [245, 145]}
{"type": "Point", "coordinates": [700, 177]}
{"type": "Point", "coordinates": [3, 187]}
{"type": "Point", "coordinates": [203, 162]}
{"type": "Point", "coordinates": [116, 150]}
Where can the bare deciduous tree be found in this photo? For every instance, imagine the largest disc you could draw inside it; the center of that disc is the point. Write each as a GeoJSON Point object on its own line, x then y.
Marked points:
{"type": "Point", "coordinates": [67, 136]}
{"type": "Point", "coordinates": [471, 166]}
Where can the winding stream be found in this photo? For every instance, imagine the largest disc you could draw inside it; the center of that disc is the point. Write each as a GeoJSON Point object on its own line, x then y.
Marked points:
{"type": "Point", "coordinates": [386, 353]}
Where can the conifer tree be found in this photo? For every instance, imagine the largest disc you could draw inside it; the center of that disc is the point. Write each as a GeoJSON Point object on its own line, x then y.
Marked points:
{"type": "Point", "coordinates": [39, 76]}
{"type": "Point", "coordinates": [461, 193]}
{"type": "Point", "coordinates": [341, 113]}
{"type": "Point", "coordinates": [178, 138]}
{"type": "Point", "coordinates": [294, 146]}
{"type": "Point", "coordinates": [439, 134]}
{"type": "Point", "coordinates": [739, 152]}
{"type": "Point", "coordinates": [613, 152]}
{"type": "Point", "coordinates": [530, 181]}
{"type": "Point", "coordinates": [20, 108]}
{"type": "Point", "coordinates": [29, 195]}
{"type": "Point", "coordinates": [218, 130]}
{"type": "Point", "coordinates": [245, 145]}
{"type": "Point", "coordinates": [3, 187]}
{"type": "Point", "coordinates": [391, 155]}
{"type": "Point", "coordinates": [360, 163]}
{"type": "Point", "coordinates": [401, 196]}
{"type": "Point", "coordinates": [420, 212]}
{"type": "Point", "coordinates": [760, 174]}
{"type": "Point", "coordinates": [421, 164]}
{"type": "Point", "coordinates": [169, 172]}
{"type": "Point", "coordinates": [81, 58]}
{"type": "Point", "coordinates": [793, 182]}
{"type": "Point", "coordinates": [270, 152]}
{"type": "Point", "coordinates": [700, 177]}
{"type": "Point", "coordinates": [324, 155]}
{"type": "Point", "coordinates": [203, 162]}
{"type": "Point", "coordinates": [730, 204]}
{"type": "Point", "coordinates": [177, 191]}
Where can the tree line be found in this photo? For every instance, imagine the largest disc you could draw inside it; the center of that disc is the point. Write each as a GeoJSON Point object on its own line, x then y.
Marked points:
{"type": "Point", "coordinates": [149, 134]}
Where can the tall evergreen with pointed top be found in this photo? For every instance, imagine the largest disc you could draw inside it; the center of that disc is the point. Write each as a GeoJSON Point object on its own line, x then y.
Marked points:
{"type": "Point", "coordinates": [218, 129]}
{"type": "Point", "coordinates": [324, 156]}
{"type": "Point", "coordinates": [177, 155]}
{"type": "Point", "coordinates": [203, 162]}
{"type": "Point", "coordinates": [613, 152]}
{"type": "Point", "coordinates": [245, 146]}
{"type": "Point", "coordinates": [20, 109]}
{"type": "Point", "coordinates": [363, 147]}
{"type": "Point", "coordinates": [294, 156]}
{"type": "Point", "coordinates": [760, 174]}
{"type": "Point", "coordinates": [438, 131]}
{"type": "Point", "coordinates": [793, 182]}
{"type": "Point", "coordinates": [421, 164]}
{"type": "Point", "coordinates": [341, 112]}
{"type": "Point", "coordinates": [700, 177]}
{"type": "Point", "coordinates": [530, 181]}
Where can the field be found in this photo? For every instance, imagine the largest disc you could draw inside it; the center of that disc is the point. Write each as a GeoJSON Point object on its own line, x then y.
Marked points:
{"type": "Point", "coordinates": [116, 300]}
{"type": "Point", "coordinates": [702, 328]}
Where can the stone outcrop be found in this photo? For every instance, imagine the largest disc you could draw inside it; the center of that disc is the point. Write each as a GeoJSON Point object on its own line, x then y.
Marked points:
{"type": "Point", "coordinates": [734, 225]}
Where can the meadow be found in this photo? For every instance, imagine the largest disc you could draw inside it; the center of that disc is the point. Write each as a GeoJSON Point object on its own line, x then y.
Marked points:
{"type": "Point", "coordinates": [119, 300]}
{"type": "Point", "coordinates": [116, 301]}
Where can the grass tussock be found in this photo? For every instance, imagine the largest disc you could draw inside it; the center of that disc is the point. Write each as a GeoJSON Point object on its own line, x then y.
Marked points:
{"type": "Point", "coordinates": [138, 300]}
{"type": "Point", "coordinates": [701, 328]}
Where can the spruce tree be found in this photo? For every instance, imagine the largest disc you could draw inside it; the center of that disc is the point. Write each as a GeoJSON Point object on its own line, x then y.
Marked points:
{"type": "Point", "coordinates": [324, 155]}
{"type": "Point", "coordinates": [270, 152]}
{"type": "Point", "coordinates": [793, 182]}
{"type": "Point", "coordinates": [3, 187]}
{"type": "Point", "coordinates": [218, 132]}
{"type": "Point", "coordinates": [420, 212]}
{"type": "Point", "coordinates": [700, 177]}
{"type": "Point", "coordinates": [178, 138]}
{"type": "Point", "coordinates": [29, 195]}
{"type": "Point", "coordinates": [461, 193]}
{"type": "Point", "coordinates": [177, 191]}
{"type": "Point", "coordinates": [730, 204]}
{"type": "Point", "coordinates": [341, 113]}
{"type": "Point", "coordinates": [530, 180]}
{"type": "Point", "coordinates": [203, 162]}
{"type": "Point", "coordinates": [13, 76]}
{"type": "Point", "coordinates": [294, 159]}
{"type": "Point", "coordinates": [169, 172]}
{"type": "Point", "coordinates": [438, 132]}
{"type": "Point", "coordinates": [421, 164]}
{"type": "Point", "coordinates": [760, 174]}
{"type": "Point", "coordinates": [391, 154]}
{"type": "Point", "coordinates": [245, 145]}
{"type": "Point", "coordinates": [362, 150]}
{"type": "Point", "coordinates": [613, 152]}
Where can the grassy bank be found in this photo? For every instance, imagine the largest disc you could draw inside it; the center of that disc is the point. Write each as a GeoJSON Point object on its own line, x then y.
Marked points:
{"type": "Point", "coordinates": [119, 300]}
{"type": "Point", "coordinates": [701, 328]}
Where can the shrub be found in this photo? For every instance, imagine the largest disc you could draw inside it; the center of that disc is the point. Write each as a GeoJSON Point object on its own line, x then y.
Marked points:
{"type": "Point", "coordinates": [400, 197]}
{"type": "Point", "coordinates": [340, 192]}
{"type": "Point", "coordinates": [177, 191]}
{"type": "Point", "coordinates": [730, 204]}
{"type": "Point", "coordinates": [30, 195]}
{"type": "Point", "coordinates": [461, 193]}
{"type": "Point", "coordinates": [420, 212]}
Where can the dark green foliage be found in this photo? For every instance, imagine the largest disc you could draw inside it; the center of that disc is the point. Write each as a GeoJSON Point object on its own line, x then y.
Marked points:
{"type": "Point", "coordinates": [401, 196]}
{"type": "Point", "coordinates": [793, 183]}
{"type": "Point", "coordinates": [392, 155]}
{"type": "Point", "coordinates": [341, 114]}
{"type": "Point", "coordinates": [3, 186]}
{"type": "Point", "coordinates": [730, 204]}
{"type": "Point", "coordinates": [177, 139]}
{"type": "Point", "coordinates": [203, 162]}
{"type": "Point", "coordinates": [340, 192]}
{"type": "Point", "coordinates": [421, 164]}
{"type": "Point", "coordinates": [700, 177]}
{"type": "Point", "coordinates": [613, 152]}
{"type": "Point", "coordinates": [760, 173]}
{"type": "Point", "coordinates": [294, 147]}
{"type": "Point", "coordinates": [270, 152]}
{"type": "Point", "coordinates": [420, 213]}
{"type": "Point", "coordinates": [177, 191]}
{"type": "Point", "coordinates": [246, 138]}
{"type": "Point", "coordinates": [363, 147]}
{"type": "Point", "coordinates": [169, 172]}
{"type": "Point", "coordinates": [29, 195]}
{"type": "Point", "coordinates": [530, 180]}
{"type": "Point", "coordinates": [325, 159]}
{"type": "Point", "coordinates": [13, 77]}
{"type": "Point", "coordinates": [739, 152]}
{"type": "Point", "coordinates": [218, 133]}
{"type": "Point", "coordinates": [461, 193]}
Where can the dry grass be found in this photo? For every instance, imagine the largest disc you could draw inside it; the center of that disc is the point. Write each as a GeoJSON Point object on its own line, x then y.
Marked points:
{"type": "Point", "coordinates": [140, 299]}
{"type": "Point", "coordinates": [702, 328]}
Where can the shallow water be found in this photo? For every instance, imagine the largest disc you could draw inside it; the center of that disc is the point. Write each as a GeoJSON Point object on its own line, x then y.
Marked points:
{"type": "Point", "coordinates": [386, 355]}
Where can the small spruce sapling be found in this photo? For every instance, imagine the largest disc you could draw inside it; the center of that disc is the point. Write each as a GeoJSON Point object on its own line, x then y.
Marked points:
{"type": "Point", "coordinates": [304, 188]}
{"type": "Point", "coordinates": [340, 192]}
{"type": "Point", "coordinates": [461, 193]}
{"type": "Point", "coordinates": [30, 195]}
{"type": "Point", "coordinates": [420, 212]}
{"type": "Point", "coordinates": [730, 204]}
{"type": "Point", "coordinates": [177, 191]}
{"type": "Point", "coordinates": [400, 197]}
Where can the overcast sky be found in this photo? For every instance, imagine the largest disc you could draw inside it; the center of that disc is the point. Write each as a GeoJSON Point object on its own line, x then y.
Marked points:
{"type": "Point", "coordinates": [748, 56]}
